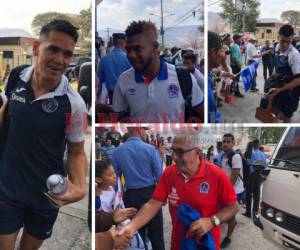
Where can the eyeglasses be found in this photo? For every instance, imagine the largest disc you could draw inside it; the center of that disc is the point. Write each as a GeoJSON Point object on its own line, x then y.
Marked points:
{"type": "Point", "coordinates": [180, 151]}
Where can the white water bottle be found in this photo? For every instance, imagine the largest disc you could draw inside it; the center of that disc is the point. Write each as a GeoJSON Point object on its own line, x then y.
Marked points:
{"type": "Point", "coordinates": [57, 184]}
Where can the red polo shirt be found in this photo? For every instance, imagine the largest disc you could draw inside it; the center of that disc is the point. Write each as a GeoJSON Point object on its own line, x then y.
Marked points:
{"type": "Point", "coordinates": [207, 191]}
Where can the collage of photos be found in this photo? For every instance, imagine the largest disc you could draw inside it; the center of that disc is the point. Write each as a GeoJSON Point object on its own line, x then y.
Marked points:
{"type": "Point", "coordinates": [150, 125]}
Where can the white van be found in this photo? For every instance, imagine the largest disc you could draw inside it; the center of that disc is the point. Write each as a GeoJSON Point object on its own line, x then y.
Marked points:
{"type": "Point", "coordinates": [280, 207]}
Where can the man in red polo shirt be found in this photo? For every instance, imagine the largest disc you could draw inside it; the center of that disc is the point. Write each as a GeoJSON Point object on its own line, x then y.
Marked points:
{"type": "Point", "coordinates": [192, 181]}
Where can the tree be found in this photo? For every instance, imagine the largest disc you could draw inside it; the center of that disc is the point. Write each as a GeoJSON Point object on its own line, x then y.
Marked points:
{"type": "Point", "coordinates": [235, 17]}
{"type": "Point", "coordinates": [44, 18]}
{"type": "Point", "coordinates": [291, 16]}
{"type": "Point", "coordinates": [266, 135]}
{"type": "Point", "coordinates": [83, 22]}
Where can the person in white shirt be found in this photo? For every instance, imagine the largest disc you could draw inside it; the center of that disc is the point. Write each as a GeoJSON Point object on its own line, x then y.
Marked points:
{"type": "Point", "coordinates": [232, 164]}
{"type": "Point", "coordinates": [252, 56]}
{"type": "Point", "coordinates": [150, 91]}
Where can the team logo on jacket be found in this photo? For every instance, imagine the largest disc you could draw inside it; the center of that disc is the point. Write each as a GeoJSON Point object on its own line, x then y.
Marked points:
{"type": "Point", "coordinates": [132, 91]}
{"type": "Point", "coordinates": [173, 91]}
{"type": "Point", "coordinates": [50, 105]}
{"type": "Point", "coordinates": [204, 188]}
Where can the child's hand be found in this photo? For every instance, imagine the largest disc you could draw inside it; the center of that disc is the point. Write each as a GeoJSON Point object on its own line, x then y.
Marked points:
{"type": "Point", "coordinates": [123, 214]}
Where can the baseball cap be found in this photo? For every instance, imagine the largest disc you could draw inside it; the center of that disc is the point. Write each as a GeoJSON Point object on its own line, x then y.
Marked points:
{"type": "Point", "coordinates": [118, 36]}
{"type": "Point", "coordinates": [236, 36]}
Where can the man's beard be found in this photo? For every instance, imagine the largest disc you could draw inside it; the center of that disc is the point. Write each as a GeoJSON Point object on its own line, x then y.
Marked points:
{"type": "Point", "coordinates": [146, 65]}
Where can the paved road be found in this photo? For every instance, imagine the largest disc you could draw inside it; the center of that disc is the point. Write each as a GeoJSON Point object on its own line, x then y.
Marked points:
{"type": "Point", "coordinates": [71, 230]}
{"type": "Point", "coordinates": [243, 111]}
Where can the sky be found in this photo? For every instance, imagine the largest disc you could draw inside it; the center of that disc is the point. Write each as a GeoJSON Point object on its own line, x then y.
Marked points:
{"type": "Point", "coordinates": [268, 8]}
{"type": "Point", "coordinates": [19, 14]}
{"type": "Point", "coordinates": [117, 14]}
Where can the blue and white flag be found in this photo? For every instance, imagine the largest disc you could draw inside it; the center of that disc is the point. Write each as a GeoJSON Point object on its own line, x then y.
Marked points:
{"type": "Point", "coordinates": [248, 74]}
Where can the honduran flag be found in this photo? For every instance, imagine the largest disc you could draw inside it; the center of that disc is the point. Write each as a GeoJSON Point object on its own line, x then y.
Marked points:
{"type": "Point", "coordinates": [248, 74]}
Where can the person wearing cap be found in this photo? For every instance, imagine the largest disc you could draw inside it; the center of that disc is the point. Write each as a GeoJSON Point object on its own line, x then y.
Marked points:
{"type": "Point", "coordinates": [236, 62]}
{"type": "Point", "coordinates": [268, 56]}
{"type": "Point", "coordinates": [190, 181]}
{"type": "Point", "coordinates": [287, 71]}
{"type": "Point", "coordinates": [141, 166]}
{"type": "Point", "coordinates": [113, 65]}
{"type": "Point", "coordinates": [150, 91]}
{"type": "Point", "coordinates": [252, 55]}
{"type": "Point", "coordinates": [226, 76]}
{"type": "Point", "coordinates": [227, 40]}
{"type": "Point", "coordinates": [175, 56]}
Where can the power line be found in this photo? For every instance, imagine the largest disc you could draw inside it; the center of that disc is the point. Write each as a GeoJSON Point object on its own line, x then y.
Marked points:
{"type": "Point", "coordinates": [187, 17]}
{"type": "Point", "coordinates": [218, 1]}
{"type": "Point", "coordinates": [188, 12]}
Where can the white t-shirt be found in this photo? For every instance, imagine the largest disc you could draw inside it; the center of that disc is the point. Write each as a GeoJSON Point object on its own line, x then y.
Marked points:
{"type": "Point", "coordinates": [251, 51]}
{"type": "Point", "coordinates": [237, 163]}
{"type": "Point", "coordinates": [293, 57]}
{"type": "Point", "coordinates": [107, 199]}
{"type": "Point", "coordinates": [200, 79]}
{"type": "Point", "coordinates": [160, 100]}
{"type": "Point", "coordinates": [168, 146]}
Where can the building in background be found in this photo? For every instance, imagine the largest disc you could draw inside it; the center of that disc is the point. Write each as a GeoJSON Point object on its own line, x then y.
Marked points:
{"type": "Point", "coordinates": [15, 48]}
{"type": "Point", "coordinates": [267, 29]}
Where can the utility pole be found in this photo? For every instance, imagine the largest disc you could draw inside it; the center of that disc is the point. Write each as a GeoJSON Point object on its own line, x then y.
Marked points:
{"type": "Point", "coordinates": [107, 31]}
{"type": "Point", "coordinates": [244, 23]}
{"type": "Point", "coordinates": [162, 32]}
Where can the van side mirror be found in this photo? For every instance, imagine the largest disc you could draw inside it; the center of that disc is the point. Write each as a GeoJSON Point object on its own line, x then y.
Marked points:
{"type": "Point", "coordinates": [264, 173]}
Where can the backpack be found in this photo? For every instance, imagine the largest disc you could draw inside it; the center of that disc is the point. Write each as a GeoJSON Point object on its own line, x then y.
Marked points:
{"type": "Point", "coordinates": [245, 167]}
{"type": "Point", "coordinates": [186, 86]}
{"type": "Point", "coordinates": [11, 83]}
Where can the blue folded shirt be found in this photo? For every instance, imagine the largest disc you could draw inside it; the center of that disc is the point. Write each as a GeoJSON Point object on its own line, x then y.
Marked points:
{"type": "Point", "coordinates": [187, 215]}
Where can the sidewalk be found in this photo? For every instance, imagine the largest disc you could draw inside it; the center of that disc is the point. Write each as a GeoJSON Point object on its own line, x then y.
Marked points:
{"type": "Point", "coordinates": [243, 111]}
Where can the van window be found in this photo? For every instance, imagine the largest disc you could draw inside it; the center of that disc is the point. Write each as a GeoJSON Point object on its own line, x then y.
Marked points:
{"type": "Point", "coordinates": [288, 154]}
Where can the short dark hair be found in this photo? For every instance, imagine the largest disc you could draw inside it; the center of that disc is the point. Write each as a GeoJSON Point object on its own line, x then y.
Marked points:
{"type": "Point", "coordinates": [229, 135]}
{"type": "Point", "coordinates": [214, 41]}
{"type": "Point", "coordinates": [190, 56]}
{"type": "Point", "coordinates": [256, 143]}
{"type": "Point", "coordinates": [286, 30]}
{"type": "Point", "coordinates": [101, 166]}
{"type": "Point", "coordinates": [135, 28]}
{"type": "Point", "coordinates": [61, 26]}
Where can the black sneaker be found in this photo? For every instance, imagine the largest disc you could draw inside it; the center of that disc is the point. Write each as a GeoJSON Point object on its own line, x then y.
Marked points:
{"type": "Point", "coordinates": [247, 215]}
{"type": "Point", "coordinates": [254, 90]}
{"type": "Point", "coordinates": [238, 94]}
{"type": "Point", "coordinates": [226, 242]}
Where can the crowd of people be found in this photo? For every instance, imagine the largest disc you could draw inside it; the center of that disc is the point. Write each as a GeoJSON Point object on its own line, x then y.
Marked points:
{"type": "Point", "coordinates": [184, 179]}
{"type": "Point", "coordinates": [244, 172]}
{"type": "Point", "coordinates": [228, 56]}
{"type": "Point", "coordinates": [138, 82]}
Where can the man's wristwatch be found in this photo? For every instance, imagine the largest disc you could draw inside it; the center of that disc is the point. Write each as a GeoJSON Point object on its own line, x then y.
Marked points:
{"type": "Point", "coordinates": [215, 221]}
